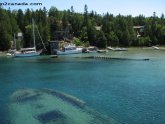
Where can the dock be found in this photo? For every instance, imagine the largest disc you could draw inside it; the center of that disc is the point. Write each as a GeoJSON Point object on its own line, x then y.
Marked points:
{"type": "Point", "coordinates": [115, 58]}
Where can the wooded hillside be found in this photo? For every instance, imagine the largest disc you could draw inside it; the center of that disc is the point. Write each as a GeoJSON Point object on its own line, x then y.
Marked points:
{"type": "Point", "coordinates": [89, 27]}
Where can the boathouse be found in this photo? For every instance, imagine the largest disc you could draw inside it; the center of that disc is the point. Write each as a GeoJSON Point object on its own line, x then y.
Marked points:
{"type": "Point", "coordinates": [54, 45]}
{"type": "Point", "coordinates": [139, 30]}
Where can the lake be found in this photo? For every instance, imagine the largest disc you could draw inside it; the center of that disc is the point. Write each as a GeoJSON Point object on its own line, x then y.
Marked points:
{"type": "Point", "coordinates": [129, 91]}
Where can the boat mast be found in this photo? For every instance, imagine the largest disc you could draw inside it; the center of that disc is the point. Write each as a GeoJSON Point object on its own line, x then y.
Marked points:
{"type": "Point", "coordinates": [15, 42]}
{"type": "Point", "coordinates": [40, 36]}
{"type": "Point", "coordinates": [34, 40]}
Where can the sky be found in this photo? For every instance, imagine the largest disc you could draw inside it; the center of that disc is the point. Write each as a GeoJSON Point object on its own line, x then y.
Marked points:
{"type": "Point", "coordinates": [123, 7]}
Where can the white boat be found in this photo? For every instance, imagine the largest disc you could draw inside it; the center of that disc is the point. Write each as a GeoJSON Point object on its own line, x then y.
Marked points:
{"type": "Point", "coordinates": [91, 49]}
{"type": "Point", "coordinates": [69, 49]}
{"type": "Point", "coordinates": [29, 52]}
{"type": "Point", "coordinates": [155, 47]}
{"type": "Point", "coordinates": [11, 52]}
{"type": "Point", "coordinates": [120, 49]}
{"type": "Point", "coordinates": [110, 48]}
{"type": "Point", "coordinates": [117, 49]}
{"type": "Point", "coordinates": [102, 51]}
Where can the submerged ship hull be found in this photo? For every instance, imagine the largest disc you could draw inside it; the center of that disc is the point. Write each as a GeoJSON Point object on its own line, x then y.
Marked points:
{"type": "Point", "coordinates": [45, 106]}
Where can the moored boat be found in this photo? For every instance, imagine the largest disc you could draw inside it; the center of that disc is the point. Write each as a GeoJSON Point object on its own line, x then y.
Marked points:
{"type": "Point", "coordinates": [27, 52]}
{"type": "Point", "coordinates": [117, 49]}
{"type": "Point", "coordinates": [31, 51]}
{"type": "Point", "coordinates": [155, 47]}
{"type": "Point", "coordinates": [102, 51]}
{"type": "Point", "coordinates": [11, 52]}
{"type": "Point", "coordinates": [110, 48]}
{"type": "Point", "coordinates": [91, 49]}
{"type": "Point", "coordinates": [120, 49]}
{"type": "Point", "coordinates": [69, 49]}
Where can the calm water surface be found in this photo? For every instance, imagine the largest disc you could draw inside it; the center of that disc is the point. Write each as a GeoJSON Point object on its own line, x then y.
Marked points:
{"type": "Point", "coordinates": [129, 91]}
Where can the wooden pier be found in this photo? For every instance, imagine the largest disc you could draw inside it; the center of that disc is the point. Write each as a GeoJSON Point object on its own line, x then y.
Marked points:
{"type": "Point", "coordinates": [115, 58]}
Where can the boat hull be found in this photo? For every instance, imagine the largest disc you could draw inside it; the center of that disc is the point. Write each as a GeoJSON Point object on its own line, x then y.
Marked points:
{"type": "Point", "coordinates": [27, 54]}
{"type": "Point", "coordinates": [47, 106]}
{"type": "Point", "coordinates": [69, 52]}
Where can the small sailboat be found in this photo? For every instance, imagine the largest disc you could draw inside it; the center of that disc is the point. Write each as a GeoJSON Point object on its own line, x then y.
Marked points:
{"type": "Point", "coordinates": [29, 52]}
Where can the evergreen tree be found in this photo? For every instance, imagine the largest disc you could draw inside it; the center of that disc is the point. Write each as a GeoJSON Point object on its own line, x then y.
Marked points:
{"type": "Point", "coordinates": [65, 21]}
{"type": "Point", "coordinates": [86, 18]}
{"type": "Point", "coordinates": [54, 22]}
{"type": "Point", "coordinates": [91, 32]}
{"type": "Point", "coordinates": [5, 30]}
{"type": "Point", "coordinates": [101, 40]}
{"type": "Point", "coordinates": [92, 28]}
{"type": "Point", "coordinates": [20, 20]}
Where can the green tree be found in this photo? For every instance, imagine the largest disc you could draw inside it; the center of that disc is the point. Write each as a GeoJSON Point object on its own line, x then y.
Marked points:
{"type": "Point", "coordinates": [76, 24]}
{"type": "Point", "coordinates": [144, 41]}
{"type": "Point", "coordinates": [20, 20]}
{"type": "Point", "coordinates": [65, 21]}
{"type": "Point", "coordinates": [27, 17]}
{"type": "Point", "coordinates": [101, 40]}
{"type": "Point", "coordinates": [54, 21]}
{"type": "Point", "coordinates": [28, 37]}
{"type": "Point", "coordinates": [86, 17]}
{"type": "Point", "coordinates": [91, 32]}
{"type": "Point", "coordinates": [139, 20]}
{"type": "Point", "coordinates": [84, 35]}
{"type": "Point", "coordinates": [5, 30]}
{"type": "Point", "coordinates": [162, 32]}
{"type": "Point", "coordinates": [112, 39]}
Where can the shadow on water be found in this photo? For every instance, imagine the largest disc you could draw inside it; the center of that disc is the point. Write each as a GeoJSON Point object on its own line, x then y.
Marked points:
{"type": "Point", "coordinates": [87, 59]}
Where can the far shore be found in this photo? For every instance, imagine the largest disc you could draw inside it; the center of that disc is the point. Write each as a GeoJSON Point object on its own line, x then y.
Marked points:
{"type": "Point", "coordinates": [144, 47]}
{"type": "Point", "coordinates": [138, 47]}
{"type": "Point", "coordinates": [2, 53]}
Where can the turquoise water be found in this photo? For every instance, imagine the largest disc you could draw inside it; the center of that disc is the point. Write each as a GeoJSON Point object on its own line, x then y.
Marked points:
{"type": "Point", "coordinates": [129, 91]}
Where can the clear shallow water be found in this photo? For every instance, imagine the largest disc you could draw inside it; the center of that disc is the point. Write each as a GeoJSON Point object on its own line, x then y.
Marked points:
{"type": "Point", "coordinates": [129, 91]}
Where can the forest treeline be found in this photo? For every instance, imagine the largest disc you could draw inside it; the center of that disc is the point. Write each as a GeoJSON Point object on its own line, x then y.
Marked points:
{"type": "Point", "coordinates": [89, 28]}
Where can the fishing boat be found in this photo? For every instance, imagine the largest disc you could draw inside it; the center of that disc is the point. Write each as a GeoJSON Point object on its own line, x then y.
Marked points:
{"type": "Point", "coordinates": [69, 49]}
{"type": "Point", "coordinates": [29, 52]}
